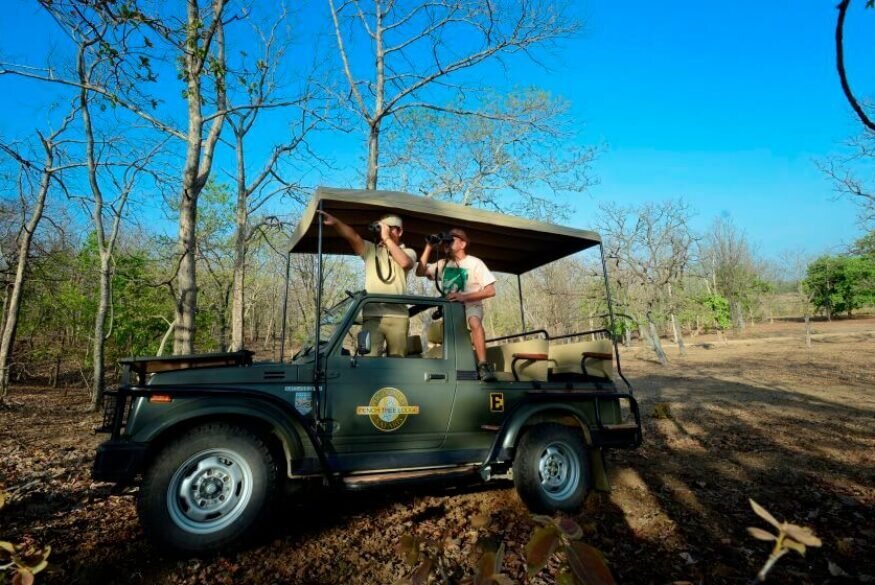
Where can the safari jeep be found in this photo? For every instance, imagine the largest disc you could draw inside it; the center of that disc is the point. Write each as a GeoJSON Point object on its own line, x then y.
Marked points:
{"type": "Point", "coordinates": [213, 439]}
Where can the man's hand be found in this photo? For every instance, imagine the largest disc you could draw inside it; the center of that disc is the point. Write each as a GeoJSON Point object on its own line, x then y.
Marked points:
{"type": "Point", "coordinates": [327, 218]}
{"type": "Point", "coordinates": [456, 296]}
{"type": "Point", "coordinates": [384, 232]}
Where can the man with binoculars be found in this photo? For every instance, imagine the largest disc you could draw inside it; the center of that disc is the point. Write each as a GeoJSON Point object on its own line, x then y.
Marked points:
{"type": "Point", "coordinates": [463, 278]}
{"type": "Point", "coordinates": [387, 263]}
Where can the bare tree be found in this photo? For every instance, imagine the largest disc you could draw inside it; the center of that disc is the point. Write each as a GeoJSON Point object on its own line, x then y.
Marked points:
{"type": "Point", "coordinates": [526, 147]}
{"type": "Point", "coordinates": [794, 265]}
{"type": "Point", "coordinates": [35, 182]}
{"type": "Point", "coordinates": [122, 177]}
{"type": "Point", "coordinates": [128, 34]}
{"type": "Point", "coordinates": [844, 172]}
{"type": "Point", "coordinates": [413, 60]}
{"type": "Point", "coordinates": [735, 270]}
{"type": "Point", "coordinates": [653, 245]}
{"type": "Point", "coordinates": [260, 87]}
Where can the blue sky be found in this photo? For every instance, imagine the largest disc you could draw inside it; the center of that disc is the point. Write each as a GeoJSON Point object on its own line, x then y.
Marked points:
{"type": "Point", "coordinates": [727, 105]}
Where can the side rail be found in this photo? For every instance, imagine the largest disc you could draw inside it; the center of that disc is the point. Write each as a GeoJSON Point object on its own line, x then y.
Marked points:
{"type": "Point", "coordinates": [622, 435]}
{"type": "Point", "coordinates": [524, 334]}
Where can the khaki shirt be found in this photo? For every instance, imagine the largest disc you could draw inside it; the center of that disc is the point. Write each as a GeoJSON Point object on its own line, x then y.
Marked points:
{"type": "Point", "coordinates": [396, 285]}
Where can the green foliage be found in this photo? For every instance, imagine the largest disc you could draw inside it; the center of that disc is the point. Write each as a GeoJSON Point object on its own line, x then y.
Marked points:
{"type": "Point", "coordinates": [718, 310]}
{"type": "Point", "coordinates": [865, 246]}
{"type": "Point", "coordinates": [841, 284]}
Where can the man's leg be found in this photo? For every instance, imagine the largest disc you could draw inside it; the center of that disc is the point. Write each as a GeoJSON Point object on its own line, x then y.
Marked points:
{"type": "Point", "coordinates": [372, 324]}
{"type": "Point", "coordinates": [395, 330]}
{"type": "Point", "coordinates": [478, 337]}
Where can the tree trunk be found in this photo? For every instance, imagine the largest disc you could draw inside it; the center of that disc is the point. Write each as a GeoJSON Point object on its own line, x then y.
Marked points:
{"type": "Point", "coordinates": [656, 344]}
{"type": "Point", "coordinates": [99, 331]}
{"type": "Point", "coordinates": [678, 336]}
{"type": "Point", "coordinates": [198, 161]}
{"type": "Point", "coordinates": [807, 332]}
{"type": "Point", "coordinates": [373, 156]}
{"type": "Point", "coordinates": [239, 252]}
{"type": "Point", "coordinates": [186, 300]}
{"type": "Point", "coordinates": [7, 340]}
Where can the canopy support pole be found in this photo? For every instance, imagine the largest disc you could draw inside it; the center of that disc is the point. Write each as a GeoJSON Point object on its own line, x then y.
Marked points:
{"type": "Point", "coordinates": [317, 373]}
{"type": "Point", "coordinates": [285, 307]}
{"type": "Point", "coordinates": [611, 316]}
{"type": "Point", "coordinates": [519, 286]}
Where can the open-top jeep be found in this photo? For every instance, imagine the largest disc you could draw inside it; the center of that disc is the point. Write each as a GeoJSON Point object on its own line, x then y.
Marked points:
{"type": "Point", "coordinates": [212, 439]}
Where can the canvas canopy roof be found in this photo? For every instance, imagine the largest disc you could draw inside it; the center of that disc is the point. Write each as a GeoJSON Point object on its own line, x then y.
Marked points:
{"type": "Point", "coordinates": [505, 243]}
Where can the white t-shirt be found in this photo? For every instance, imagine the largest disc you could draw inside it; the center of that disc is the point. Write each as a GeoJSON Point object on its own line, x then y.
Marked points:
{"type": "Point", "coordinates": [468, 275]}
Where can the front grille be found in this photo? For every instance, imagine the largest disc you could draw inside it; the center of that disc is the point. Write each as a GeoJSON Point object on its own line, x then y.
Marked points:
{"type": "Point", "coordinates": [111, 410]}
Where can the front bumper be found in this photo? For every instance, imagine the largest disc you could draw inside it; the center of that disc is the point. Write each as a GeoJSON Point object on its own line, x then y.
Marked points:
{"type": "Point", "coordinates": [118, 461]}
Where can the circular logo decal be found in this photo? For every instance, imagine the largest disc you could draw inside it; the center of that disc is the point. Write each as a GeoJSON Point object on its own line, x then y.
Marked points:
{"type": "Point", "coordinates": [388, 409]}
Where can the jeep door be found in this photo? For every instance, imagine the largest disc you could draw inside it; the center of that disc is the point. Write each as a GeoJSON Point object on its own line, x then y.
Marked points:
{"type": "Point", "coordinates": [383, 404]}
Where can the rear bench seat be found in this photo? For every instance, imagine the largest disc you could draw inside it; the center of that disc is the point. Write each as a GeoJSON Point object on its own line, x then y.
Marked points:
{"type": "Point", "coordinates": [530, 363]}
{"type": "Point", "coordinates": [540, 360]}
{"type": "Point", "coordinates": [592, 359]}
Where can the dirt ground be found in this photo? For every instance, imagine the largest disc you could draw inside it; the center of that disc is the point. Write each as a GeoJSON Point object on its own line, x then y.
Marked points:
{"type": "Point", "coordinates": [758, 417]}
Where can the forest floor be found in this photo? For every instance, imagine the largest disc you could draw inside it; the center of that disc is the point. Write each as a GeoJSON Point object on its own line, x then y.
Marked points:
{"type": "Point", "coordinates": [762, 417]}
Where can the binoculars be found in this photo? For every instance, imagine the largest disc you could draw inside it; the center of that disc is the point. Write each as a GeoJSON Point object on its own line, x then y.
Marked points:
{"type": "Point", "coordinates": [374, 227]}
{"type": "Point", "coordinates": [441, 238]}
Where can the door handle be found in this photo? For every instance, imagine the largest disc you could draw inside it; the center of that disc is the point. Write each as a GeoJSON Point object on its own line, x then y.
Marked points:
{"type": "Point", "coordinates": [434, 376]}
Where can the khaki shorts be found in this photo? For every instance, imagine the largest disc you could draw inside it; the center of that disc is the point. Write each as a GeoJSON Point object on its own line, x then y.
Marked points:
{"type": "Point", "coordinates": [392, 330]}
{"type": "Point", "coordinates": [473, 311]}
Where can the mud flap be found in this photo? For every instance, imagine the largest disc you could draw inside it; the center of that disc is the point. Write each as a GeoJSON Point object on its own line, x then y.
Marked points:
{"type": "Point", "coordinates": [597, 465]}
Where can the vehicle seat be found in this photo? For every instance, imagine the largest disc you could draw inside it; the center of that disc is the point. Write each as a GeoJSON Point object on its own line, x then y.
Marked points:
{"type": "Point", "coordinates": [582, 359]}
{"type": "Point", "coordinates": [501, 358]}
{"type": "Point", "coordinates": [435, 335]}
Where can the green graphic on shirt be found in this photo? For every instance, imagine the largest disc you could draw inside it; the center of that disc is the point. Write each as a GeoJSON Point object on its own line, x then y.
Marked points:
{"type": "Point", "coordinates": [453, 279]}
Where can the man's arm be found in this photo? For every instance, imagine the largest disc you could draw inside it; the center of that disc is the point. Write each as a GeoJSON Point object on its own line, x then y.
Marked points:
{"type": "Point", "coordinates": [485, 293]}
{"type": "Point", "coordinates": [355, 241]}
{"type": "Point", "coordinates": [422, 265]}
{"type": "Point", "coordinates": [395, 250]}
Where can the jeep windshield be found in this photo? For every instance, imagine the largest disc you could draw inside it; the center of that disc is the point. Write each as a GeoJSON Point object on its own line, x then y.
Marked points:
{"type": "Point", "coordinates": [328, 326]}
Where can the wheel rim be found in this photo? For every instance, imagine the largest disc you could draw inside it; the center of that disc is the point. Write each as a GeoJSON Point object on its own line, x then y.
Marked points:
{"type": "Point", "coordinates": [558, 470]}
{"type": "Point", "coordinates": [209, 491]}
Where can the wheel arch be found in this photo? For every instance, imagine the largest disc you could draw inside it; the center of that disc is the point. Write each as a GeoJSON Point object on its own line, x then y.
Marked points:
{"type": "Point", "coordinates": [283, 435]}
{"type": "Point", "coordinates": [533, 414]}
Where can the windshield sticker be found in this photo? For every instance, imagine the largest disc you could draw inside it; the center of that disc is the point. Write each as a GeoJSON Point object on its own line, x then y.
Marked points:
{"type": "Point", "coordinates": [496, 402]}
{"type": "Point", "coordinates": [388, 409]}
{"type": "Point", "coordinates": [304, 402]}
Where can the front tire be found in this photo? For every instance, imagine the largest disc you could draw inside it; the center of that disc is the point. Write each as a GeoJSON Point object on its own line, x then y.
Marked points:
{"type": "Point", "coordinates": [551, 469]}
{"type": "Point", "coordinates": [209, 488]}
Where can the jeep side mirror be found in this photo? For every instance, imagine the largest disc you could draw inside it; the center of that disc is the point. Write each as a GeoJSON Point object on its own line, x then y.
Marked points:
{"type": "Point", "coordinates": [363, 343]}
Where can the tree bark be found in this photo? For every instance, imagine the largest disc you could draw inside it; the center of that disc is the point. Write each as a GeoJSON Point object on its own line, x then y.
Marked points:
{"type": "Point", "coordinates": [198, 162]}
{"type": "Point", "coordinates": [242, 219]}
{"type": "Point", "coordinates": [7, 341]}
{"type": "Point", "coordinates": [807, 332]}
{"type": "Point", "coordinates": [656, 344]}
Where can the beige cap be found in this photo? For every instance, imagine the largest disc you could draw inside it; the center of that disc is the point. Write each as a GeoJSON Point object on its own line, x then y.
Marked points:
{"type": "Point", "coordinates": [392, 221]}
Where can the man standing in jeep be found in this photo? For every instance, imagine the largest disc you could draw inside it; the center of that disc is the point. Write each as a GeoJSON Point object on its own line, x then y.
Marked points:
{"type": "Point", "coordinates": [466, 279]}
{"type": "Point", "coordinates": [387, 263]}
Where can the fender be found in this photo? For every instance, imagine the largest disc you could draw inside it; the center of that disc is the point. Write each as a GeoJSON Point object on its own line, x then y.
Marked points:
{"type": "Point", "coordinates": [510, 431]}
{"type": "Point", "coordinates": [191, 403]}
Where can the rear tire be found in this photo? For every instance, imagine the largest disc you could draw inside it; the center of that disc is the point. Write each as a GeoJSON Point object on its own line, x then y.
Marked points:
{"type": "Point", "coordinates": [551, 470]}
{"type": "Point", "coordinates": [211, 487]}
